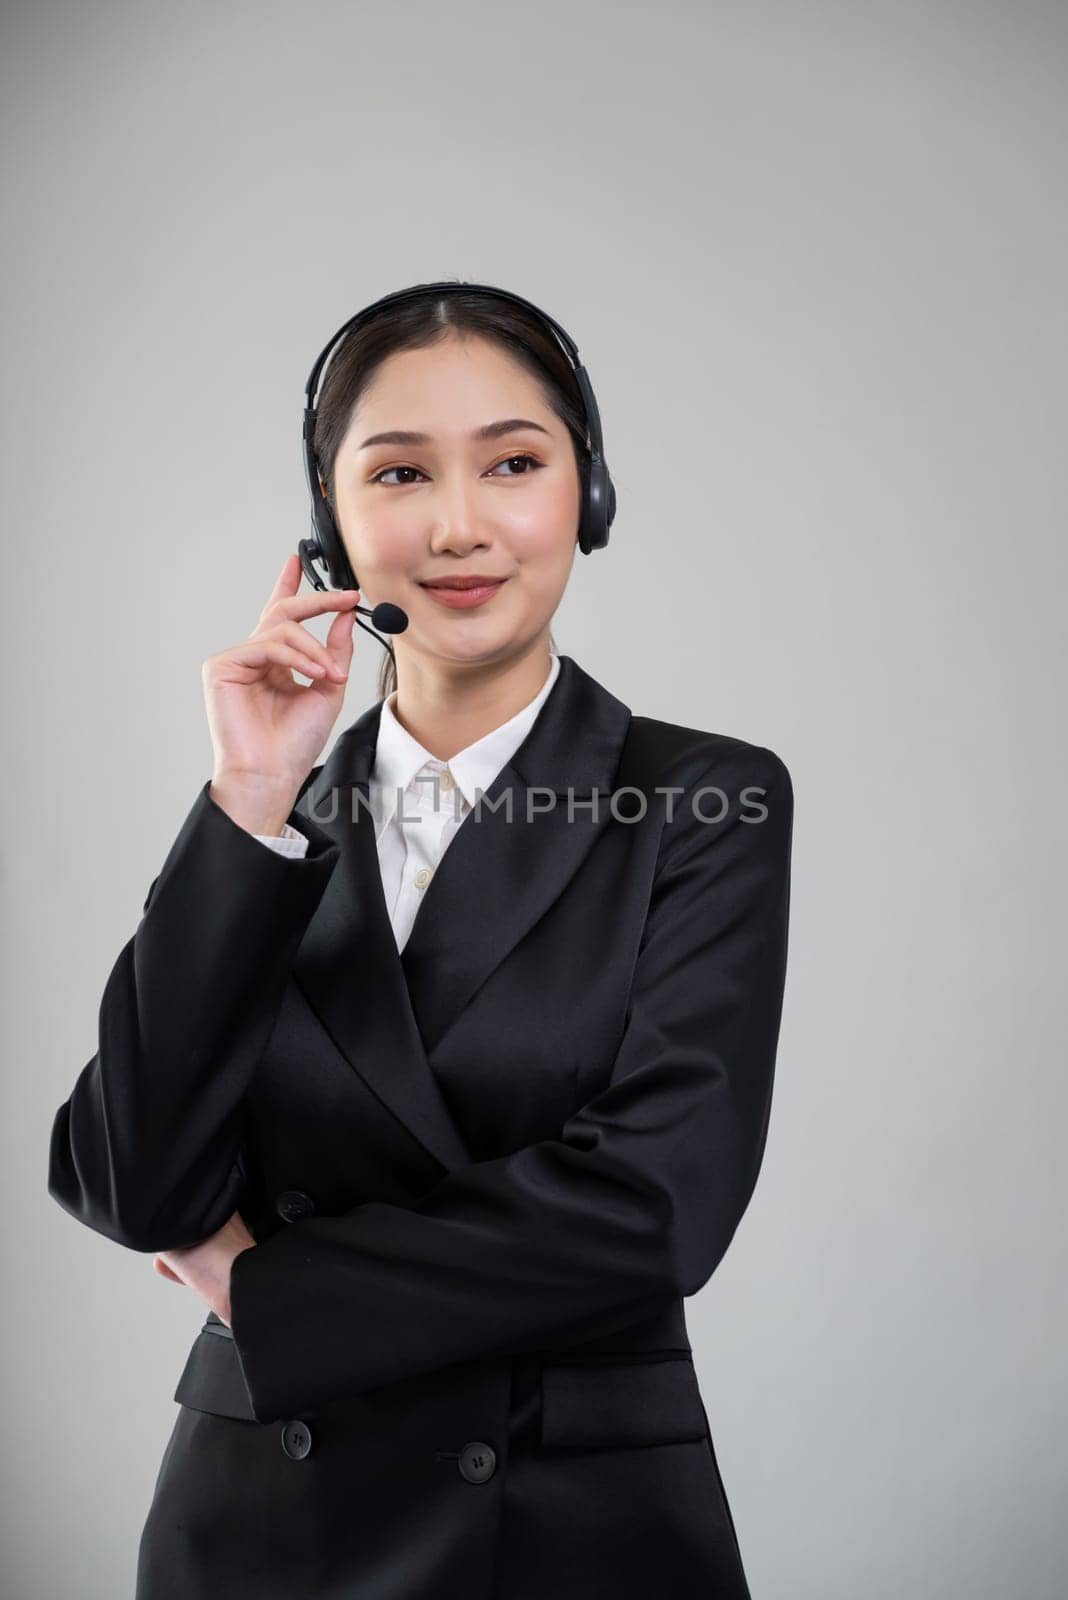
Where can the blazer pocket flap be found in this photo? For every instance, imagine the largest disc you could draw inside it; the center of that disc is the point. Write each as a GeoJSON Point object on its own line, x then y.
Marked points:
{"type": "Point", "coordinates": [212, 1379]}
{"type": "Point", "coordinates": [625, 1403]}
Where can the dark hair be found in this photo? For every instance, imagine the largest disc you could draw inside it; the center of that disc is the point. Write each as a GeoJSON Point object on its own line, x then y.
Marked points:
{"type": "Point", "coordinates": [425, 320]}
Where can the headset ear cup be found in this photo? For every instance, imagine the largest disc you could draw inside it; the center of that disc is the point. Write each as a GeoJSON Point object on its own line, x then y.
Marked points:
{"type": "Point", "coordinates": [596, 487]}
{"type": "Point", "coordinates": [599, 508]}
{"type": "Point", "coordinates": [339, 572]}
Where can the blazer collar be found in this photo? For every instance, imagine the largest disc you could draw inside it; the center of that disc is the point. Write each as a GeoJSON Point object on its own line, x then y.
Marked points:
{"type": "Point", "coordinates": [388, 1011]}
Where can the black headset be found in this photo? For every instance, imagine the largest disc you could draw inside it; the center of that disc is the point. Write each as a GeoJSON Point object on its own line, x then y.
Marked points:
{"type": "Point", "coordinates": [598, 492]}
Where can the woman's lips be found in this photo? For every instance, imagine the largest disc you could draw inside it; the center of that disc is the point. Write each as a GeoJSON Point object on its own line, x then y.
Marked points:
{"type": "Point", "coordinates": [464, 599]}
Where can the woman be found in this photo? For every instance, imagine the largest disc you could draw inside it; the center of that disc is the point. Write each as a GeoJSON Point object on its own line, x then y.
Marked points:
{"type": "Point", "coordinates": [441, 1073]}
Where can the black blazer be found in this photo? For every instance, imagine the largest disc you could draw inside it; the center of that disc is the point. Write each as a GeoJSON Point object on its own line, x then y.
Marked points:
{"type": "Point", "coordinates": [482, 1174]}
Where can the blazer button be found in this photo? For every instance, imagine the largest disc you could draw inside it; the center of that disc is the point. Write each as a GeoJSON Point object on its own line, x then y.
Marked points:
{"type": "Point", "coordinates": [296, 1440]}
{"type": "Point", "coordinates": [292, 1204]}
{"type": "Point", "coordinates": [478, 1461]}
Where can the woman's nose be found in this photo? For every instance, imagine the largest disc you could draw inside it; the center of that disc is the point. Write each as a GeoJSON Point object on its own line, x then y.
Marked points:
{"type": "Point", "coordinates": [457, 523]}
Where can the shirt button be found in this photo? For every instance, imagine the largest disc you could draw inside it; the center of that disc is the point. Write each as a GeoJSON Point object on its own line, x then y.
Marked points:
{"type": "Point", "coordinates": [422, 877]}
{"type": "Point", "coordinates": [447, 780]}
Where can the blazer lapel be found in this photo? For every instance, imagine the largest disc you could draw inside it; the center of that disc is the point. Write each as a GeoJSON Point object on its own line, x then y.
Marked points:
{"type": "Point", "coordinates": [498, 876]}
{"type": "Point", "coordinates": [508, 861]}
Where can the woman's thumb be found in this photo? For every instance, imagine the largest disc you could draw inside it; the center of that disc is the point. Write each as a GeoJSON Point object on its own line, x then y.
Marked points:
{"type": "Point", "coordinates": [341, 636]}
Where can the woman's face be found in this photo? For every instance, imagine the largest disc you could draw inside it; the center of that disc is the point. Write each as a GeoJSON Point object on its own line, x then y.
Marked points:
{"type": "Point", "coordinates": [453, 503]}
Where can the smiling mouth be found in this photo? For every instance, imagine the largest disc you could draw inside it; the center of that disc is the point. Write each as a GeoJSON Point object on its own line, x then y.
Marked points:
{"type": "Point", "coordinates": [466, 595]}
{"type": "Point", "coordinates": [460, 584]}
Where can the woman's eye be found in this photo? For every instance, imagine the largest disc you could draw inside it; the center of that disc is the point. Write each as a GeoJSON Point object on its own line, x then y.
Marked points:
{"type": "Point", "coordinates": [531, 461]}
{"type": "Point", "coordinates": [380, 477]}
{"type": "Point", "coordinates": [509, 459]}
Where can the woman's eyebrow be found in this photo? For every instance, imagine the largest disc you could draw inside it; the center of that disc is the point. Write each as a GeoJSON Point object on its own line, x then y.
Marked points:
{"type": "Point", "coordinates": [492, 430]}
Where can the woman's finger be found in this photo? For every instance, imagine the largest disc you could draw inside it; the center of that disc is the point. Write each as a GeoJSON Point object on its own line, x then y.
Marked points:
{"type": "Point", "coordinates": [299, 607]}
{"type": "Point", "coordinates": [288, 580]}
{"type": "Point", "coordinates": [302, 639]}
{"type": "Point", "coordinates": [270, 650]}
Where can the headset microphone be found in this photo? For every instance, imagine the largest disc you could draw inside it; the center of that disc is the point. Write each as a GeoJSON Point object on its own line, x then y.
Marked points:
{"type": "Point", "coordinates": [387, 617]}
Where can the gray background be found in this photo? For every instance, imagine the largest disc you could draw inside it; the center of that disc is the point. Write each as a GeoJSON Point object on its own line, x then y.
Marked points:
{"type": "Point", "coordinates": [815, 258]}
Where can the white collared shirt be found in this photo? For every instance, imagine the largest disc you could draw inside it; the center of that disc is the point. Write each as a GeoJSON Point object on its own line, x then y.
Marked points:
{"type": "Point", "coordinates": [435, 798]}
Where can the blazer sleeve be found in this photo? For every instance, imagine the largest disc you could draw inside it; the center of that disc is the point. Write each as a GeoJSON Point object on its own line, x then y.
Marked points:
{"type": "Point", "coordinates": [578, 1236]}
{"type": "Point", "coordinates": [147, 1149]}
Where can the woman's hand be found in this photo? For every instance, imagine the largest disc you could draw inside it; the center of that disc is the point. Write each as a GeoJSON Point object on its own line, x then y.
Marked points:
{"type": "Point", "coordinates": [266, 728]}
{"type": "Point", "coordinates": [205, 1267]}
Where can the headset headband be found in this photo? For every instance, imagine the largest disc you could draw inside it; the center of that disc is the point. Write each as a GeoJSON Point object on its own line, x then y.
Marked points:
{"type": "Point", "coordinates": [593, 416]}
